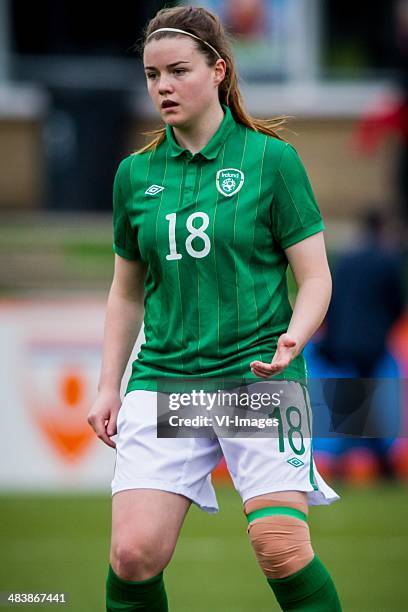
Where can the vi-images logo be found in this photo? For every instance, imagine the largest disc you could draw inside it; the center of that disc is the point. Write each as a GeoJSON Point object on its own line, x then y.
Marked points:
{"type": "Point", "coordinates": [229, 181]}
{"type": "Point", "coordinates": [153, 190]}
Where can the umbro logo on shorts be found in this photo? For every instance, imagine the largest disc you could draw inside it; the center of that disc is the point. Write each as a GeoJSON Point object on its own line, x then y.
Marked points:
{"type": "Point", "coordinates": [153, 190]}
{"type": "Point", "coordinates": [295, 462]}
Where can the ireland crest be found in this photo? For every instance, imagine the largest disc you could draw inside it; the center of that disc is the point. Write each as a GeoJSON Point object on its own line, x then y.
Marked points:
{"type": "Point", "coordinates": [229, 181]}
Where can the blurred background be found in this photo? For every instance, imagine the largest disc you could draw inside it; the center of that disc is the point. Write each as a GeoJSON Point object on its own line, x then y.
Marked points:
{"type": "Point", "coordinates": [73, 103]}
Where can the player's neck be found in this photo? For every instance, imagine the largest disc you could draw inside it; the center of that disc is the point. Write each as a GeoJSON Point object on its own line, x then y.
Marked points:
{"type": "Point", "coordinates": [196, 137]}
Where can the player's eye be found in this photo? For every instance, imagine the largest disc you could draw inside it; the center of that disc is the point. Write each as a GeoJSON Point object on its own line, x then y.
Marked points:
{"type": "Point", "coordinates": [150, 75]}
{"type": "Point", "coordinates": [179, 70]}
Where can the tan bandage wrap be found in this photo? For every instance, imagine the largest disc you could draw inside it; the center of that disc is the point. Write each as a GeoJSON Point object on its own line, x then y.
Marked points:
{"type": "Point", "coordinates": [281, 540]}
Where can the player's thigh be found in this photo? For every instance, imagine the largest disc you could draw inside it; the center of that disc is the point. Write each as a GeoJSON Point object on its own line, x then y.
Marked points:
{"type": "Point", "coordinates": [291, 499]}
{"type": "Point", "coordinates": [146, 523]}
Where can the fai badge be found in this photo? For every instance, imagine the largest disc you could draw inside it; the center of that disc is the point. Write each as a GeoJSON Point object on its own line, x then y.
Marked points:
{"type": "Point", "coordinates": [229, 181]}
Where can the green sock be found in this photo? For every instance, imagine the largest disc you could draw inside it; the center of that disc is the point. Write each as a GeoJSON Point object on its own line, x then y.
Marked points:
{"type": "Point", "coordinates": [311, 589]}
{"type": "Point", "coordinates": [129, 595]}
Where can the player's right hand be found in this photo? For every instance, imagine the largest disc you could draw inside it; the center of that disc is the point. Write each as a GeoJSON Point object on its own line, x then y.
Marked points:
{"type": "Point", "coordinates": [103, 415]}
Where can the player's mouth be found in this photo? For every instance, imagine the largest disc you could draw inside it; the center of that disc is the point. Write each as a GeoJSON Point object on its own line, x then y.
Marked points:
{"type": "Point", "coordinates": [167, 104]}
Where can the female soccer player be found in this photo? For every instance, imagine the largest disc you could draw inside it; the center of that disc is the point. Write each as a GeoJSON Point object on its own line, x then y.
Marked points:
{"type": "Point", "coordinates": [207, 218]}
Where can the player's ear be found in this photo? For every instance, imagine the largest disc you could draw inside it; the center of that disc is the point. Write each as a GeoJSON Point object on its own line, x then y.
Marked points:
{"type": "Point", "coordinates": [220, 70]}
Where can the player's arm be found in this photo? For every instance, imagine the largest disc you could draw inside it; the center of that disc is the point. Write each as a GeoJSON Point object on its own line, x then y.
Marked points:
{"type": "Point", "coordinates": [124, 317]}
{"type": "Point", "coordinates": [308, 261]}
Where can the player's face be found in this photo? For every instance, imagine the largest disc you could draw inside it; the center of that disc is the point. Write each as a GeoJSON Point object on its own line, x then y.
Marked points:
{"type": "Point", "coordinates": [177, 73]}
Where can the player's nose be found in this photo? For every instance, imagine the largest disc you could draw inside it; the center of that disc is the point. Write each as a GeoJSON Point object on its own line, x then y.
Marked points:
{"type": "Point", "coordinates": [165, 85]}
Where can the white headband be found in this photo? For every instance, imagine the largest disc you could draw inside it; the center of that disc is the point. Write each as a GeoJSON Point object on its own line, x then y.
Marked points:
{"type": "Point", "coordinates": [188, 34]}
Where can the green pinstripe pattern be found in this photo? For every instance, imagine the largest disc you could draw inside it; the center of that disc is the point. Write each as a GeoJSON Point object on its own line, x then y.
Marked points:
{"type": "Point", "coordinates": [233, 240]}
{"type": "Point", "coordinates": [178, 278]}
{"type": "Point", "coordinates": [198, 279]}
{"type": "Point", "coordinates": [215, 261]}
{"type": "Point", "coordinates": [209, 316]}
{"type": "Point", "coordinates": [274, 510]}
{"type": "Point", "coordinates": [253, 240]}
{"type": "Point", "coordinates": [151, 154]}
{"type": "Point", "coordinates": [161, 197]}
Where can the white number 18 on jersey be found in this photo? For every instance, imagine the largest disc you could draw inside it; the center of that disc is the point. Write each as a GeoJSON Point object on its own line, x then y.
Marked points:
{"type": "Point", "coordinates": [194, 232]}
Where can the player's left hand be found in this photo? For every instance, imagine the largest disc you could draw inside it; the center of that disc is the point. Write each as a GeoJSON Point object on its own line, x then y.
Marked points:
{"type": "Point", "coordinates": [286, 351]}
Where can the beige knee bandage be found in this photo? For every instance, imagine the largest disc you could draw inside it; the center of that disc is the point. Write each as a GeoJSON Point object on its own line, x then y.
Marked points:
{"type": "Point", "coordinates": [281, 542]}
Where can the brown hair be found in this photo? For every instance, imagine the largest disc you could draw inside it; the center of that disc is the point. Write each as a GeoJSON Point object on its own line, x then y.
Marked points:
{"type": "Point", "coordinates": [207, 26]}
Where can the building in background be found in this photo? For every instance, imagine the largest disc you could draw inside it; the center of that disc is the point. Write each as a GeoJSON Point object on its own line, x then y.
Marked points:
{"type": "Point", "coordinates": [73, 100]}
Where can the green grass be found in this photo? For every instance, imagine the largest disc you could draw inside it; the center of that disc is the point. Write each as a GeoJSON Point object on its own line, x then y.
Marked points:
{"type": "Point", "coordinates": [60, 543]}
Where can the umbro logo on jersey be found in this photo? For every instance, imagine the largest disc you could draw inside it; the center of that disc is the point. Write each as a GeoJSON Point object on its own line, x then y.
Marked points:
{"type": "Point", "coordinates": [295, 462]}
{"type": "Point", "coordinates": [229, 181]}
{"type": "Point", "coordinates": [154, 189]}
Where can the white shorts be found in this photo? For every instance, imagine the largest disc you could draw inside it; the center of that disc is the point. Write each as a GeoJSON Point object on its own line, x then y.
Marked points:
{"type": "Point", "coordinates": [183, 465]}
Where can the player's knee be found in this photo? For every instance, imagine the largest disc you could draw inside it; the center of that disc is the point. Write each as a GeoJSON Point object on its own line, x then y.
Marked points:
{"type": "Point", "coordinates": [281, 543]}
{"type": "Point", "coordinates": [138, 559]}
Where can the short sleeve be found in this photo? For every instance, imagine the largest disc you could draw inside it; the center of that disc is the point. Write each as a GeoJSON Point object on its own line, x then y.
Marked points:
{"type": "Point", "coordinates": [295, 214]}
{"type": "Point", "coordinates": [124, 236]}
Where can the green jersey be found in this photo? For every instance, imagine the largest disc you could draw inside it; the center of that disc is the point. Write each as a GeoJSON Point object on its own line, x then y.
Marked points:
{"type": "Point", "coordinates": [212, 229]}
